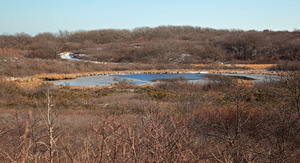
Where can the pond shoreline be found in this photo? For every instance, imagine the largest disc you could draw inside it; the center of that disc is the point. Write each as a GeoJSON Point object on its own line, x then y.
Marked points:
{"type": "Point", "coordinates": [176, 71]}
{"type": "Point", "coordinates": [153, 78]}
{"type": "Point", "coordinates": [36, 80]}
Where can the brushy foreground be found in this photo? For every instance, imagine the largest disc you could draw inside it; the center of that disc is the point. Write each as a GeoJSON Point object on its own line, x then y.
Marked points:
{"type": "Point", "coordinates": [176, 121]}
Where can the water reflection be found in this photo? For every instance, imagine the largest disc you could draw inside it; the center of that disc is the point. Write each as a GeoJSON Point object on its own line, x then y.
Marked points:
{"type": "Point", "coordinates": [103, 80]}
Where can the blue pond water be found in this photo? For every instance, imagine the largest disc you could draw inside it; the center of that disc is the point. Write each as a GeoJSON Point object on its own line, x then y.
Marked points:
{"type": "Point", "coordinates": [151, 77]}
{"type": "Point", "coordinates": [145, 78]}
{"type": "Point", "coordinates": [134, 78]}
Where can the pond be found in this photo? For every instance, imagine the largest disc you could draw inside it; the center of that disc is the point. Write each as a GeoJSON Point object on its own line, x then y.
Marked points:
{"type": "Point", "coordinates": [103, 80]}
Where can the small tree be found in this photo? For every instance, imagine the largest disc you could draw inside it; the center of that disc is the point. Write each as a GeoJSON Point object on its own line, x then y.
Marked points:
{"type": "Point", "coordinates": [49, 119]}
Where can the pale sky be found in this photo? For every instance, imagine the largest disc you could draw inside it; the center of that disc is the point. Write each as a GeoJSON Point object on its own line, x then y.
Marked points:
{"type": "Point", "coordinates": [38, 16]}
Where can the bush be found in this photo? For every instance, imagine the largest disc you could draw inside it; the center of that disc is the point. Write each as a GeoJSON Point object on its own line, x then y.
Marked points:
{"type": "Point", "coordinates": [286, 66]}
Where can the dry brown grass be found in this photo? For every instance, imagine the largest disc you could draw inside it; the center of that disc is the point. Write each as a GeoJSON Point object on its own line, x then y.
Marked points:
{"type": "Point", "coordinates": [242, 66]}
{"type": "Point", "coordinates": [54, 76]}
{"type": "Point", "coordinates": [26, 82]}
{"type": "Point", "coordinates": [252, 66]}
{"type": "Point", "coordinates": [246, 82]}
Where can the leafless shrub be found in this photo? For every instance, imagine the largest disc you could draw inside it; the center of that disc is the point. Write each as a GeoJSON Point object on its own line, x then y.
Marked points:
{"type": "Point", "coordinates": [286, 66]}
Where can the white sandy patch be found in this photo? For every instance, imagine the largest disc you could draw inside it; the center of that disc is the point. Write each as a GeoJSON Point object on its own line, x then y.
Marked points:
{"type": "Point", "coordinates": [65, 55]}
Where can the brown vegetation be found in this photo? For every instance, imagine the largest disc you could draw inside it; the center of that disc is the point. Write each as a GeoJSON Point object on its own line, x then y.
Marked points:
{"type": "Point", "coordinates": [48, 77]}
{"type": "Point", "coordinates": [174, 121]}
{"type": "Point", "coordinates": [286, 66]}
{"type": "Point", "coordinates": [164, 47]}
{"type": "Point", "coordinates": [227, 119]}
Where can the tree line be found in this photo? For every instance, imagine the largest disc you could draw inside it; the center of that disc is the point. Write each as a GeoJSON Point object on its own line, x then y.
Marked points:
{"type": "Point", "coordinates": [182, 44]}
